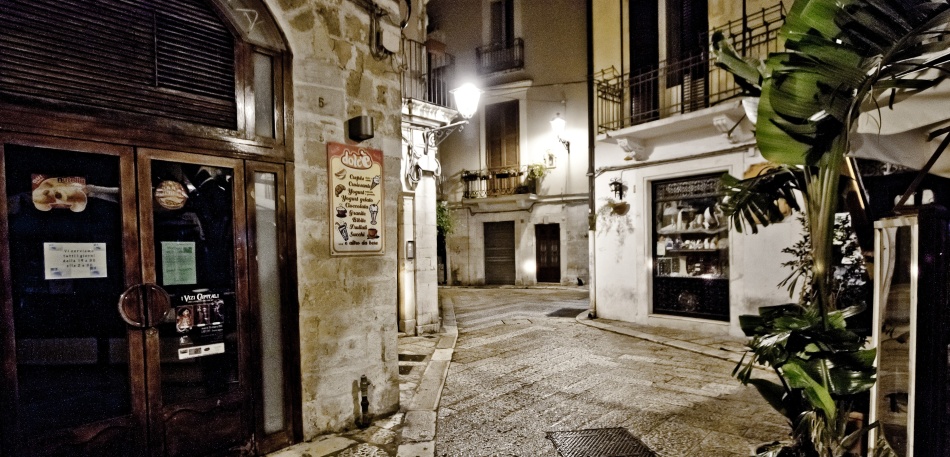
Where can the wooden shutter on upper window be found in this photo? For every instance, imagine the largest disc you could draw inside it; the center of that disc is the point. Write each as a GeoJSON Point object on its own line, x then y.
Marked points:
{"type": "Point", "coordinates": [171, 59]}
{"type": "Point", "coordinates": [501, 134]}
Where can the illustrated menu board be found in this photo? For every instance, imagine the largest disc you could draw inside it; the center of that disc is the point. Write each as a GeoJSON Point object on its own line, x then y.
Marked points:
{"type": "Point", "coordinates": [356, 200]}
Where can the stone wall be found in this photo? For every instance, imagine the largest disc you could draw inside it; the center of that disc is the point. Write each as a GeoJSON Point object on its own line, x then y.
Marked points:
{"type": "Point", "coordinates": [347, 304]}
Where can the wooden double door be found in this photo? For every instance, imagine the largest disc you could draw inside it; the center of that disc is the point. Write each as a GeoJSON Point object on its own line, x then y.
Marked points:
{"type": "Point", "coordinates": [127, 328]}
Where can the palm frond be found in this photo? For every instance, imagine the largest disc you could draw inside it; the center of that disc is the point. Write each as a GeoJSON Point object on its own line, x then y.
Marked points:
{"type": "Point", "coordinates": [761, 200]}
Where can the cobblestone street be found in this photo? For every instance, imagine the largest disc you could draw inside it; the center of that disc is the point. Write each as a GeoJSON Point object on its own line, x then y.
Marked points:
{"type": "Point", "coordinates": [524, 366]}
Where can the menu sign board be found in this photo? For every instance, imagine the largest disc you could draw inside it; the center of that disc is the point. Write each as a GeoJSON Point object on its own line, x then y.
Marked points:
{"type": "Point", "coordinates": [356, 200]}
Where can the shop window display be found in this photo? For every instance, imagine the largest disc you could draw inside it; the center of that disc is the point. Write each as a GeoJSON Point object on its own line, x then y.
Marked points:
{"type": "Point", "coordinates": [691, 249]}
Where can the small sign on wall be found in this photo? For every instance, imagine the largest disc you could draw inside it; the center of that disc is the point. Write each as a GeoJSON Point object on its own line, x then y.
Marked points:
{"type": "Point", "coordinates": [356, 200]}
{"type": "Point", "coordinates": [74, 260]}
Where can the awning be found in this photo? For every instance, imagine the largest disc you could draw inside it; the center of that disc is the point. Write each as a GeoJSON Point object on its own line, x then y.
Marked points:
{"type": "Point", "coordinates": [908, 132]}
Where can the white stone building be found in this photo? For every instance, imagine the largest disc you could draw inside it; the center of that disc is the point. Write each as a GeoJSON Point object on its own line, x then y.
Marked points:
{"type": "Point", "coordinates": [668, 124]}
{"type": "Point", "coordinates": [529, 58]}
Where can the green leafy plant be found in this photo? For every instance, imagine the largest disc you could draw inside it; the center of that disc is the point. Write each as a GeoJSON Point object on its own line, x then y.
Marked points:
{"type": "Point", "coordinates": [537, 171]}
{"type": "Point", "coordinates": [839, 57]}
{"type": "Point", "coordinates": [444, 221]}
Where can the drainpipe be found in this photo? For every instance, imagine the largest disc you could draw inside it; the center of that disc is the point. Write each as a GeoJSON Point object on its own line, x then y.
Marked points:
{"type": "Point", "coordinates": [591, 212]}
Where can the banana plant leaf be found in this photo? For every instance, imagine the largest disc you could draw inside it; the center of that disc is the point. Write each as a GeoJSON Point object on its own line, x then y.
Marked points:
{"type": "Point", "coordinates": [747, 73]}
{"type": "Point", "coordinates": [759, 200]}
{"type": "Point", "coordinates": [817, 394]}
{"type": "Point", "coordinates": [837, 52]}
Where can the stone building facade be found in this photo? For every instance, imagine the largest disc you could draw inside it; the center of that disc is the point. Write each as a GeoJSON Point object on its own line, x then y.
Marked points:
{"type": "Point", "coordinates": [307, 325]}
{"type": "Point", "coordinates": [530, 59]}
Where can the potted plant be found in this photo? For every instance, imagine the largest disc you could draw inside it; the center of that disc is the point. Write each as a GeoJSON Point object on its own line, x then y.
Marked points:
{"type": "Point", "coordinates": [534, 174]}
{"type": "Point", "coordinates": [838, 56]}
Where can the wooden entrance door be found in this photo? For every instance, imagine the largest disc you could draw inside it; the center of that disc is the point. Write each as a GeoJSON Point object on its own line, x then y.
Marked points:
{"type": "Point", "coordinates": [548, 252]}
{"type": "Point", "coordinates": [125, 328]}
{"type": "Point", "coordinates": [500, 253]}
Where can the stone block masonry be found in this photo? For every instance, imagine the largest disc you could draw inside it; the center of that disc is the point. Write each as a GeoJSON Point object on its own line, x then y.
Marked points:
{"type": "Point", "coordinates": [347, 304]}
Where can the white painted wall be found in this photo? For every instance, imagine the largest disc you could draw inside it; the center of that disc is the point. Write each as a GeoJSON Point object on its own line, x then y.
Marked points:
{"type": "Point", "coordinates": [625, 243]}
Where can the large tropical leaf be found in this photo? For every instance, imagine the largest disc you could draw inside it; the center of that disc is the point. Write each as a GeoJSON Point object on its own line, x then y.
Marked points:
{"type": "Point", "coordinates": [759, 200]}
{"type": "Point", "coordinates": [747, 72]}
{"type": "Point", "coordinates": [837, 53]}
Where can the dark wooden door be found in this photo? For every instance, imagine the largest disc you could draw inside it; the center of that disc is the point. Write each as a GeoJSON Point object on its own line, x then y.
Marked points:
{"type": "Point", "coordinates": [500, 252]}
{"type": "Point", "coordinates": [124, 302]}
{"type": "Point", "coordinates": [548, 252]}
{"type": "Point", "coordinates": [194, 246]}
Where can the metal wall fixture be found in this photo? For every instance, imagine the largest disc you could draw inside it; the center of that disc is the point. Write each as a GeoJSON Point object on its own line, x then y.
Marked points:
{"type": "Point", "coordinates": [558, 124]}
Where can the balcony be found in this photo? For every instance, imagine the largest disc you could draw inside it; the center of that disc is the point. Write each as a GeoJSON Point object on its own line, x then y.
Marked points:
{"type": "Point", "coordinates": [496, 182]}
{"type": "Point", "coordinates": [499, 189]}
{"type": "Point", "coordinates": [500, 57]}
{"type": "Point", "coordinates": [427, 73]}
{"type": "Point", "coordinates": [692, 84]}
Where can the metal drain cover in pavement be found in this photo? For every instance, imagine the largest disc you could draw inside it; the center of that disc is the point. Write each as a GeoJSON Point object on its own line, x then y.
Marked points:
{"type": "Point", "coordinates": [600, 442]}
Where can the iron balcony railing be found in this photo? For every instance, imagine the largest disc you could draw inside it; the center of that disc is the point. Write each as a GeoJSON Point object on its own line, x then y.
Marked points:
{"type": "Point", "coordinates": [500, 56]}
{"type": "Point", "coordinates": [691, 84]}
{"type": "Point", "coordinates": [426, 74]}
{"type": "Point", "coordinates": [495, 182]}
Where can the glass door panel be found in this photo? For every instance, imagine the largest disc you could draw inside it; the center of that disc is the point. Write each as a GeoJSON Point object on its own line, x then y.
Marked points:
{"type": "Point", "coordinates": [191, 211]}
{"type": "Point", "coordinates": [691, 249]}
{"type": "Point", "coordinates": [68, 267]}
{"type": "Point", "coordinates": [267, 266]}
{"type": "Point", "coordinates": [193, 236]}
{"type": "Point", "coordinates": [895, 333]}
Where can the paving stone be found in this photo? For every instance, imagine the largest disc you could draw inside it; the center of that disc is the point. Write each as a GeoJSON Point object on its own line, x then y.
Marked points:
{"type": "Point", "coordinates": [539, 374]}
{"type": "Point", "coordinates": [419, 426]}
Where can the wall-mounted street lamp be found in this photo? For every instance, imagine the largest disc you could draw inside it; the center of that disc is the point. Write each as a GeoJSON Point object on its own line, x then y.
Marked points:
{"type": "Point", "coordinates": [558, 124]}
{"type": "Point", "coordinates": [616, 186]}
{"type": "Point", "coordinates": [466, 101]}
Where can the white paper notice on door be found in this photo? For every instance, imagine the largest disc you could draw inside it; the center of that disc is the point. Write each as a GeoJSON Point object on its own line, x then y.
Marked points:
{"type": "Point", "coordinates": [74, 260]}
{"type": "Point", "coordinates": [178, 263]}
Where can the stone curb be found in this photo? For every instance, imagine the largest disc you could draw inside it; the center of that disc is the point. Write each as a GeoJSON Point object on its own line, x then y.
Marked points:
{"type": "Point", "coordinates": [419, 424]}
{"type": "Point", "coordinates": [619, 328]}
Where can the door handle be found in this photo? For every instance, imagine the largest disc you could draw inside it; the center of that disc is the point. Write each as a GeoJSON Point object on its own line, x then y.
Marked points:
{"type": "Point", "coordinates": [144, 305]}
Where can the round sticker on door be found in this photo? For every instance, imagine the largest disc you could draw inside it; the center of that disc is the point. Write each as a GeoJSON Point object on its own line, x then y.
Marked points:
{"type": "Point", "coordinates": [170, 195]}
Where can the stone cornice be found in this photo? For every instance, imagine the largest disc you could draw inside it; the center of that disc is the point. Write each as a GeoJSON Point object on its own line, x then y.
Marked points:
{"type": "Point", "coordinates": [420, 114]}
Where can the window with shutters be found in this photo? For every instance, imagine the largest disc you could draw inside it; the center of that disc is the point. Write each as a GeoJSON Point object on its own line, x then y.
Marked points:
{"type": "Point", "coordinates": [503, 50]}
{"type": "Point", "coordinates": [154, 62]}
{"type": "Point", "coordinates": [503, 22]}
{"type": "Point", "coordinates": [687, 44]}
{"type": "Point", "coordinates": [502, 135]}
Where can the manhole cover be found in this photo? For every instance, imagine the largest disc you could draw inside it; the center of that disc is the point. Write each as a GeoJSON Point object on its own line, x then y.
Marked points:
{"type": "Point", "coordinates": [566, 312]}
{"type": "Point", "coordinates": [411, 357]}
{"type": "Point", "coordinates": [601, 442]}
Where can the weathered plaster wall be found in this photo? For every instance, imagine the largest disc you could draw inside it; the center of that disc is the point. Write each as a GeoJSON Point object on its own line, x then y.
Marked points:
{"type": "Point", "coordinates": [347, 304]}
{"type": "Point", "coordinates": [612, 22]}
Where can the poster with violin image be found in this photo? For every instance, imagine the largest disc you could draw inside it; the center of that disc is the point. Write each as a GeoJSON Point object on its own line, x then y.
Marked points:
{"type": "Point", "coordinates": [356, 200]}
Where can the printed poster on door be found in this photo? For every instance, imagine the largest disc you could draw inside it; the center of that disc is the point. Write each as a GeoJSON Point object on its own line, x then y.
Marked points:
{"type": "Point", "coordinates": [356, 200]}
{"type": "Point", "coordinates": [199, 322]}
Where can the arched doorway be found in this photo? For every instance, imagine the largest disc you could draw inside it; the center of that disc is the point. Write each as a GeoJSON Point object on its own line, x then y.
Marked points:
{"type": "Point", "coordinates": [148, 295]}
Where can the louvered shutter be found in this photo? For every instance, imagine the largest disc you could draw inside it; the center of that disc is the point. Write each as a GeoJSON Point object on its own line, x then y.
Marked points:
{"type": "Point", "coordinates": [171, 59]}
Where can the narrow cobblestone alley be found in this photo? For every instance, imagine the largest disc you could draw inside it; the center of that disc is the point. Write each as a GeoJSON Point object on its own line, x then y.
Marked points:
{"type": "Point", "coordinates": [524, 366]}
